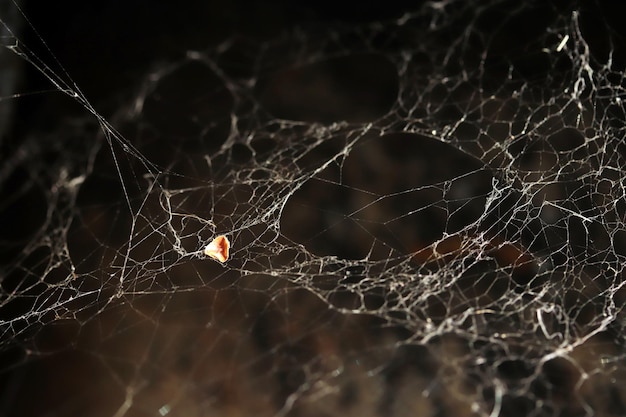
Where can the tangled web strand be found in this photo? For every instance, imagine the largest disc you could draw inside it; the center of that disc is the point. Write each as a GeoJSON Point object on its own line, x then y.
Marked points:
{"type": "Point", "coordinates": [425, 216]}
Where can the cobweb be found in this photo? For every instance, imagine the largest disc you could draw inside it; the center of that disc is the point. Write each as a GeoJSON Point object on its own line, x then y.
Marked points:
{"type": "Point", "coordinates": [426, 213]}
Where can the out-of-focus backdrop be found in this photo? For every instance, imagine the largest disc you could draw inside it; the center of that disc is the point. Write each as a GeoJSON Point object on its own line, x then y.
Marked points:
{"type": "Point", "coordinates": [425, 203]}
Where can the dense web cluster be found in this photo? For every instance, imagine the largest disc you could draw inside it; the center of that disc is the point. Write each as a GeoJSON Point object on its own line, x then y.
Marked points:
{"type": "Point", "coordinates": [426, 216]}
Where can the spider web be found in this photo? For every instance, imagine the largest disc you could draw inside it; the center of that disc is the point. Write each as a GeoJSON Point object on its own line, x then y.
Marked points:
{"type": "Point", "coordinates": [426, 213]}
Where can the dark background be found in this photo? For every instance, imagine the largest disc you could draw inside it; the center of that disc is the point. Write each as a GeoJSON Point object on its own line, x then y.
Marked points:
{"type": "Point", "coordinates": [107, 48]}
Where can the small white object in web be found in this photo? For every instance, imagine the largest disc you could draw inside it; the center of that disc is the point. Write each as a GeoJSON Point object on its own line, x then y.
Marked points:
{"type": "Point", "coordinates": [218, 248]}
